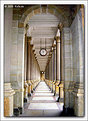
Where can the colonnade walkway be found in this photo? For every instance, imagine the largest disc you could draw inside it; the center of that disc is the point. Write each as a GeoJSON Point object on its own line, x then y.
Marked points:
{"type": "Point", "coordinates": [42, 103]}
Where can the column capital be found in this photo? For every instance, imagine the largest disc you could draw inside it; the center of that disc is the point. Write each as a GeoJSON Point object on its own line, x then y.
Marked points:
{"type": "Point", "coordinates": [34, 54]}
{"type": "Point", "coordinates": [34, 51]}
{"type": "Point", "coordinates": [54, 42]}
{"type": "Point", "coordinates": [27, 27]}
{"type": "Point", "coordinates": [29, 39]}
{"type": "Point", "coordinates": [60, 26]}
{"type": "Point", "coordinates": [58, 39]}
{"type": "Point", "coordinates": [32, 46]}
{"type": "Point", "coordinates": [53, 45]}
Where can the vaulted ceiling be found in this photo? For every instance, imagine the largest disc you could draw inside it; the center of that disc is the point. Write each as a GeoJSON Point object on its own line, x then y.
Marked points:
{"type": "Point", "coordinates": [42, 29]}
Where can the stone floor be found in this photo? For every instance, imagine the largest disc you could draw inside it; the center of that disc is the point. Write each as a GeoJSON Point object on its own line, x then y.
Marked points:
{"type": "Point", "coordinates": [42, 103]}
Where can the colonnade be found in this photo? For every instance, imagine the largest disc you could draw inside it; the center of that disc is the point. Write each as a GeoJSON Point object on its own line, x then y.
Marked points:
{"type": "Point", "coordinates": [22, 72]}
{"type": "Point", "coordinates": [32, 70]}
{"type": "Point", "coordinates": [64, 73]}
{"type": "Point", "coordinates": [68, 76]}
{"type": "Point", "coordinates": [54, 66]}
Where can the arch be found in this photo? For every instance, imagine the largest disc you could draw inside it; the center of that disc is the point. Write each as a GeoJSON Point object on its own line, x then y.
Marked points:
{"type": "Point", "coordinates": [37, 9]}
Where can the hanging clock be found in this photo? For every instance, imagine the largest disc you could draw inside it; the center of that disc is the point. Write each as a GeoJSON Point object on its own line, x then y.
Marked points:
{"type": "Point", "coordinates": [43, 52]}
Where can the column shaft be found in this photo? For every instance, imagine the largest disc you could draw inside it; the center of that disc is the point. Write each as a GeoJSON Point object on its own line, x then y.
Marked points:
{"type": "Point", "coordinates": [58, 59]}
{"type": "Point", "coordinates": [8, 91]}
{"type": "Point", "coordinates": [28, 57]}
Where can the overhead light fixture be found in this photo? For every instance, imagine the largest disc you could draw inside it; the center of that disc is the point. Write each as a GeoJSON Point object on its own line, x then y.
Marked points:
{"type": "Point", "coordinates": [43, 51]}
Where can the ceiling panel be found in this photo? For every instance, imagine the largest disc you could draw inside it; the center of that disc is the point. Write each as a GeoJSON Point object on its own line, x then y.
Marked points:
{"type": "Point", "coordinates": [42, 29]}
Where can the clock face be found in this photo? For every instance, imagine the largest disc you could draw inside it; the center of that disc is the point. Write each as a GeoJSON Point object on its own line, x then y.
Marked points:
{"type": "Point", "coordinates": [43, 52]}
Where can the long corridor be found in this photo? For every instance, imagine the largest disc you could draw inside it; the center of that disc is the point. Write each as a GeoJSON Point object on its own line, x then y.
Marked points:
{"type": "Point", "coordinates": [44, 60]}
{"type": "Point", "coordinates": [42, 103]}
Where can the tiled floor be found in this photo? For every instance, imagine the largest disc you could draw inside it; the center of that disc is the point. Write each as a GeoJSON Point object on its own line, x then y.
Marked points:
{"type": "Point", "coordinates": [42, 103]}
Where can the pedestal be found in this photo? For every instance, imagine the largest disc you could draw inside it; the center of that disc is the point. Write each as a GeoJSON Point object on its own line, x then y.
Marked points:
{"type": "Point", "coordinates": [8, 99]}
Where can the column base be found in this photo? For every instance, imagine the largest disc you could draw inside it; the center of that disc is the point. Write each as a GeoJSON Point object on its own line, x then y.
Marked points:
{"type": "Point", "coordinates": [29, 95]}
{"type": "Point", "coordinates": [8, 99]}
{"type": "Point", "coordinates": [16, 112]}
{"type": "Point", "coordinates": [34, 89]}
{"type": "Point", "coordinates": [25, 100]}
{"type": "Point", "coordinates": [18, 98]}
{"type": "Point", "coordinates": [58, 99]}
{"type": "Point", "coordinates": [68, 111]}
{"type": "Point", "coordinates": [20, 109]}
{"type": "Point", "coordinates": [61, 100]}
{"type": "Point", "coordinates": [79, 100]}
{"type": "Point", "coordinates": [54, 93]}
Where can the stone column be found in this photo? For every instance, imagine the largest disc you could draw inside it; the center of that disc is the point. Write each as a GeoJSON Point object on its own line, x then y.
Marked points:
{"type": "Point", "coordinates": [79, 61]}
{"type": "Point", "coordinates": [54, 67]}
{"type": "Point", "coordinates": [28, 65]}
{"type": "Point", "coordinates": [19, 89]}
{"type": "Point", "coordinates": [61, 92]}
{"type": "Point", "coordinates": [57, 65]}
{"type": "Point", "coordinates": [25, 58]}
{"type": "Point", "coordinates": [58, 58]}
{"type": "Point", "coordinates": [68, 70]}
{"type": "Point", "coordinates": [48, 70]}
{"type": "Point", "coordinates": [17, 65]}
{"type": "Point", "coordinates": [31, 67]}
{"type": "Point", "coordinates": [25, 68]}
{"type": "Point", "coordinates": [31, 62]}
{"type": "Point", "coordinates": [28, 57]}
{"type": "Point", "coordinates": [8, 91]}
{"type": "Point", "coordinates": [36, 69]}
{"type": "Point", "coordinates": [51, 77]}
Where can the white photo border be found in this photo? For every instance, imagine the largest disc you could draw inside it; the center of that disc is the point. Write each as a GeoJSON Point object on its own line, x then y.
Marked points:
{"type": "Point", "coordinates": [61, 2]}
